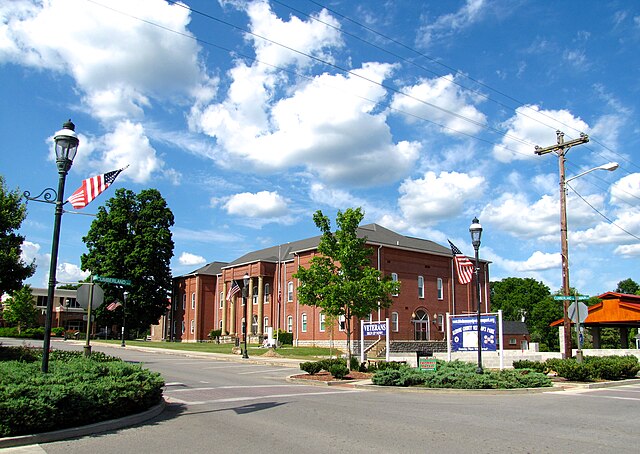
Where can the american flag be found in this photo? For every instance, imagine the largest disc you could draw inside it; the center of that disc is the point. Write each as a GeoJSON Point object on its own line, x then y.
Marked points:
{"type": "Point", "coordinates": [92, 188]}
{"type": "Point", "coordinates": [113, 306]}
{"type": "Point", "coordinates": [235, 288]}
{"type": "Point", "coordinates": [464, 266]}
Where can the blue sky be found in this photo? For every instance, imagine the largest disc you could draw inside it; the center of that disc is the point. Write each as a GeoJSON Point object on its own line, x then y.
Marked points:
{"type": "Point", "coordinates": [248, 116]}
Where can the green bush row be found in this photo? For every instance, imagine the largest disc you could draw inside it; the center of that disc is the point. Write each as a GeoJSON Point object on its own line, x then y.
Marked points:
{"type": "Point", "coordinates": [75, 391]}
{"type": "Point", "coordinates": [460, 375]}
{"type": "Point", "coordinates": [27, 333]}
{"type": "Point", "coordinates": [592, 368]}
{"type": "Point", "coordinates": [337, 367]}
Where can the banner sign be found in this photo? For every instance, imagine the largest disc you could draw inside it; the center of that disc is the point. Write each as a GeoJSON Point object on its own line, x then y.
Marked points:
{"type": "Point", "coordinates": [464, 333]}
{"type": "Point", "coordinates": [375, 329]}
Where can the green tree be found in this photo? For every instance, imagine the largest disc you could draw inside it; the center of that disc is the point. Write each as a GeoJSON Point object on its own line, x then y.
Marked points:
{"type": "Point", "coordinates": [517, 297]}
{"type": "Point", "coordinates": [131, 239]}
{"type": "Point", "coordinates": [628, 286]}
{"type": "Point", "coordinates": [340, 279]}
{"type": "Point", "coordinates": [13, 270]}
{"type": "Point", "coordinates": [19, 309]}
{"type": "Point", "coordinates": [545, 312]}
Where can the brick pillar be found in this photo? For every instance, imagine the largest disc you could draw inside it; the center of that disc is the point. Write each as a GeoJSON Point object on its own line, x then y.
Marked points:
{"type": "Point", "coordinates": [250, 307]}
{"type": "Point", "coordinates": [224, 308]}
{"type": "Point", "coordinates": [232, 315]}
{"type": "Point", "coordinates": [260, 306]}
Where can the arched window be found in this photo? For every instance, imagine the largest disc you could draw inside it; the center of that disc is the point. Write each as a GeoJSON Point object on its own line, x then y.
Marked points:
{"type": "Point", "coordinates": [290, 292]}
{"type": "Point", "coordinates": [394, 322]}
{"type": "Point", "coordinates": [267, 292]}
{"type": "Point", "coordinates": [290, 324]}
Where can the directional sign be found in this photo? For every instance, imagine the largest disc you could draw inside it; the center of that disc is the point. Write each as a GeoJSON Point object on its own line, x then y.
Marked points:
{"type": "Point", "coordinates": [112, 280]}
{"type": "Point", "coordinates": [571, 297]}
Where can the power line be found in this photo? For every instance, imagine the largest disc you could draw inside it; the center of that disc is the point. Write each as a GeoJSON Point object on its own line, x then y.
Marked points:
{"type": "Point", "coordinates": [601, 214]}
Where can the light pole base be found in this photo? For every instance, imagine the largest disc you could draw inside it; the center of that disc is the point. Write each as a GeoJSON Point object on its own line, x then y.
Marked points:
{"type": "Point", "coordinates": [479, 370]}
{"type": "Point", "coordinates": [87, 350]}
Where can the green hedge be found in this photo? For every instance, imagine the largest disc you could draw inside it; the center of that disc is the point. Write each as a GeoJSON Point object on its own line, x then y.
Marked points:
{"type": "Point", "coordinates": [27, 333]}
{"type": "Point", "coordinates": [591, 369]}
{"type": "Point", "coordinates": [460, 375]}
{"type": "Point", "coordinates": [76, 390]}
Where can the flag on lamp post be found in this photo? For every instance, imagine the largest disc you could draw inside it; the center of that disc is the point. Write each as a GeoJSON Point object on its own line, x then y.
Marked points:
{"type": "Point", "coordinates": [464, 266]}
{"type": "Point", "coordinates": [92, 187]}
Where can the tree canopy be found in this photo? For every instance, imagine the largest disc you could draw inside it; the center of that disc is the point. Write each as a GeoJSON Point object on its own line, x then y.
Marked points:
{"type": "Point", "coordinates": [13, 269]}
{"type": "Point", "coordinates": [340, 279]}
{"type": "Point", "coordinates": [517, 297]}
{"type": "Point", "coordinates": [131, 239]}
{"type": "Point", "coordinates": [628, 286]}
{"type": "Point", "coordinates": [19, 309]}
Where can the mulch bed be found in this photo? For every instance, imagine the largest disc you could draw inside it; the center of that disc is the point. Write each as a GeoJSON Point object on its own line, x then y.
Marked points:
{"type": "Point", "coordinates": [326, 376]}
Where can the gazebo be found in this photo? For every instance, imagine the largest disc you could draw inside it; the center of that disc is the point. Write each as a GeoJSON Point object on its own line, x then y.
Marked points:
{"type": "Point", "coordinates": [615, 310]}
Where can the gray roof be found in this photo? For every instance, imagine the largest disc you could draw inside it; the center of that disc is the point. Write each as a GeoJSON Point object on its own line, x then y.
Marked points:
{"type": "Point", "coordinates": [375, 234]}
{"type": "Point", "coordinates": [210, 269]}
{"type": "Point", "coordinates": [510, 327]}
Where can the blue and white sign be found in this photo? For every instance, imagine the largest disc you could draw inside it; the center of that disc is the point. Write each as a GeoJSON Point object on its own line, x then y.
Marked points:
{"type": "Point", "coordinates": [375, 329]}
{"type": "Point", "coordinates": [464, 333]}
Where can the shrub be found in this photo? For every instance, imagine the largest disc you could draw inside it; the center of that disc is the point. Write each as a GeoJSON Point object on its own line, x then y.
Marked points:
{"type": "Point", "coordinates": [460, 375]}
{"type": "Point", "coordinates": [328, 363]}
{"type": "Point", "coordinates": [354, 363]}
{"type": "Point", "coordinates": [527, 364]}
{"type": "Point", "coordinates": [57, 331]}
{"type": "Point", "coordinates": [612, 367]}
{"type": "Point", "coordinates": [285, 338]}
{"type": "Point", "coordinates": [338, 370]}
{"type": "Point", "coordinates": [382, 365]}
{"type": "Point", "coordinates": [215, 333]}
{"type": "Point", "coordinates": [573, 370]}
{"type": "Point", "coordinates": [311, 367]}
{"type": "Point", "coordinates": [386, 377]}
{"type": "Point", "coordinates": [74, 391]}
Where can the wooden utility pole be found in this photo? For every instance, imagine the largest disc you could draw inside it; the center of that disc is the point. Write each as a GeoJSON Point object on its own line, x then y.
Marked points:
{"type": "Point", "coordinates": [561, 149]}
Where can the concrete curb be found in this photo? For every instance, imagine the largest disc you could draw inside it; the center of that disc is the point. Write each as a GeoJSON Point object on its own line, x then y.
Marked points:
{"type": "Point", "coordinates": [89, 429]}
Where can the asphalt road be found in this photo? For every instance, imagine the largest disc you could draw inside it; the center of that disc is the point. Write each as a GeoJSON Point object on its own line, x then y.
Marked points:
{"type": "Point", "coordinates": [241, 407]}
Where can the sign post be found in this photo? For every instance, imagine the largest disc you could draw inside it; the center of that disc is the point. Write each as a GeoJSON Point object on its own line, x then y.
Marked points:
{"type": "Point", "coordinates": [379, 328]}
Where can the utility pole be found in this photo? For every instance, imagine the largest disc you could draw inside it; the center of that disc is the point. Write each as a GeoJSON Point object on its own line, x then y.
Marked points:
{"type": "Point", "coordinates": [561, 149]}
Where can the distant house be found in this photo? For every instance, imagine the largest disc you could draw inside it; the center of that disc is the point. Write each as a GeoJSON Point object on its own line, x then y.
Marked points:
{"type": "Point", "coordinates": [515, 335]}
{"type": "Point", "coordinates": [429, 289]}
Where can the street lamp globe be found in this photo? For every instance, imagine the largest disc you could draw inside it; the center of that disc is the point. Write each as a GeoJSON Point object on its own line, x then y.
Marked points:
{"type": "Point", "coordinates": [476, 233]}
{"type": "Point", "coordinates": [66, 141]}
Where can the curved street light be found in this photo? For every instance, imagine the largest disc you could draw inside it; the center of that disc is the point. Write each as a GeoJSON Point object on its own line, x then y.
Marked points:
{"type": "Point", "coordinates": [245, 291]}
{"type": "Point", "coordinates": [66, 147]}
{"type": "Point", "coordinates": [476, 234]}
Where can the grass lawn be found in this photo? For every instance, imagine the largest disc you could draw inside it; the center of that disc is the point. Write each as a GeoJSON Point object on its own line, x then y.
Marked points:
{"type": "Point", "coordinates": [286, 351]}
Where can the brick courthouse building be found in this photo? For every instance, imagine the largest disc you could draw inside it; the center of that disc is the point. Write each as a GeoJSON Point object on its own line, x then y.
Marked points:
{"type": "Point", "coordinates": [429, 289]}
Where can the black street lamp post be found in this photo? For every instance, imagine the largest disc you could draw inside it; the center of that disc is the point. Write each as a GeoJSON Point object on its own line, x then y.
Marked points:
{"type": "Point", "coordinates": [125, 295]}
{"type": "Point", "coordinates": [476, 233]}
{"type": "Point", "coordinates": [66, 146]}
{"type": "Point", "coordinates": [245, 291]}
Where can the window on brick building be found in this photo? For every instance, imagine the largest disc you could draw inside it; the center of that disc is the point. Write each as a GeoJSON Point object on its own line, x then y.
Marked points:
{"type": "Point", "coordinates": [193, 300]}
{"type": "Point", "coordinates": [193, 326]}
{"type": "Point", "coordinates": [394, 322]}
{"type": "Point", "coordinates": [290, 292]}
{"type": "Point", "coordinates": [303, 322]}
{"type": "Point", "coordinates": [184, 302]}
{"type": "Point", "coordinates": [221, 299]}
{"type": "Point", "coordinates": [322, 322]}
{"type": "Point", "coordinates": [420, 287]}
{"type": "Point", "coordinates": [290, 324]}
{"type": "Point", "coordinates": [267, 292]}
{"type": "Point", "coordinates": [440, 289]}
{"type": "Point", "coordinates": [394, 278]}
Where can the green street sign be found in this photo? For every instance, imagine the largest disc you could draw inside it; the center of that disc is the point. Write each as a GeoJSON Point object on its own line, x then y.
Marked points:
{"type": "Point", "coordinates": [571, 297]}
{"type": "Point", "coordinates": [112, 280]}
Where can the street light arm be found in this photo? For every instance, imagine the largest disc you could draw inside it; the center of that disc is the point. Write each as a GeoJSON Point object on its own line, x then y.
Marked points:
{"type": "Point", "coordinates": [611, 166]}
